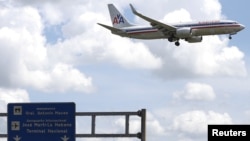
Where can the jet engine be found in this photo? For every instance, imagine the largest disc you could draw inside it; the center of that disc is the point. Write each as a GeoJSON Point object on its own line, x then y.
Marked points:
{"type": "Point", "coordinates": [194, 39]}
{"type": "Point", "coordinates": [184, 32]}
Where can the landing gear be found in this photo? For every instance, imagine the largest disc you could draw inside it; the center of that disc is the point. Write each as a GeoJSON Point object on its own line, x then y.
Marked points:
{"type": "Point", "coordinates": [230, 36]}
{"type": "Point", "coordinates": [173, 39]}
{"type": "Point", "coordinates": [177, 43]}
{"type": "Point", "coordinates": [170, 39]}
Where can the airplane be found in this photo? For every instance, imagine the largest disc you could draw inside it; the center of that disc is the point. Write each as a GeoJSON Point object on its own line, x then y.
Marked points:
{"type": "Point", "coordinates": [191, 32]}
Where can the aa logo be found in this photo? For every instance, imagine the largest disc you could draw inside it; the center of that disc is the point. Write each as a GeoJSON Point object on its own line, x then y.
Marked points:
{"type": "Point", "coordinates": [118, 19]}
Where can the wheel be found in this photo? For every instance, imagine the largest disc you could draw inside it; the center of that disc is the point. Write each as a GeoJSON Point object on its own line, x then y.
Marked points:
{"type": "Point", "coordinates": [177, 43]}
{"type": "Point", "coordinates": [170, 39]}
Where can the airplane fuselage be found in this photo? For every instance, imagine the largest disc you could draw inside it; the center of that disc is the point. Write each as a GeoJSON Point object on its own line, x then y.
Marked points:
{"type": "Point", "coordinates": [196, 29]}
{"type": "Point", "coordinates": [191, 32]}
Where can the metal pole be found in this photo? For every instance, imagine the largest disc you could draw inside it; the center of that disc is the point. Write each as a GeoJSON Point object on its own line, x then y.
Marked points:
{"type": "Point", "coordinates": [93, 125]}
{"type": "Point", "coordinates": [3, 114]}
{"type": "Point", "coordinates": [127, 125]}
{"type": "Point", "coordinates": [143, 125]}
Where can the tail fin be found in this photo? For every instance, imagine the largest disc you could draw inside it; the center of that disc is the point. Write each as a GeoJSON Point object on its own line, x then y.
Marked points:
{"type": "Point", "coordinates": [117, 19]}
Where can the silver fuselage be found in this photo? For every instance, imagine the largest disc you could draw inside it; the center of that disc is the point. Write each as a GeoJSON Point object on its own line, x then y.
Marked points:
{"type": "Point", "coordinates": [197, 29]}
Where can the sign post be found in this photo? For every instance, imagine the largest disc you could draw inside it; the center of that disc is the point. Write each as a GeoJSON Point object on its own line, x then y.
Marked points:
{"type": "Point", "coordinates": [41, 122]}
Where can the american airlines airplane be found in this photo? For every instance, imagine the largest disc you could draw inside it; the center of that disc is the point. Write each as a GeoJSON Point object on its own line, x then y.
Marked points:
{"type": "Point", "coordinates": [190, 32]}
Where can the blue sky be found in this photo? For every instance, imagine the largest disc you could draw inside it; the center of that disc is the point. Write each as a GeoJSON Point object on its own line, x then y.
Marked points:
{"type": "Point", "coordinates": [235, 10]}
{"type": "Point", "coordinates": [57, 53]}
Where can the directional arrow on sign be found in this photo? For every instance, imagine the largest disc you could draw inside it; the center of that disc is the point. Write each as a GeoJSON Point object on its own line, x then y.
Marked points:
{"type": "Point", "coordinates": [17, 138]}
{"type": "Point", "coordinates": [65, 138]}
{"type": "Point", "coordinates": [15, 125]}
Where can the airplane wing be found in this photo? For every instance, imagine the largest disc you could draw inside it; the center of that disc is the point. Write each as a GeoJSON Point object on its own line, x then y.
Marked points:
{"type": "Point", "coordinates": [159, 25]}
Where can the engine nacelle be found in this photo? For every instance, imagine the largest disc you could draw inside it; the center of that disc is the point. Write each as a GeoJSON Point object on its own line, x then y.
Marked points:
{"type": "Point", "coordinates": [194, 39]}
{"type": "Point", "coordinates": [184, 32]}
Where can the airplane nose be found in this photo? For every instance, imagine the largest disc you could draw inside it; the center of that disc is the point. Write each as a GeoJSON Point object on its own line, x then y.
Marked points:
{"type": "Point", "coordinates": [242, 27]}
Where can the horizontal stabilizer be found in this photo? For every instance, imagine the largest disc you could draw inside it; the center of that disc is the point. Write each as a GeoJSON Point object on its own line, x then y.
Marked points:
{"type": "Point", "coordinates": [110, 28]}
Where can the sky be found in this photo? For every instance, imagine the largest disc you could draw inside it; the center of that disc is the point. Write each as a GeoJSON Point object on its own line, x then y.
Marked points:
{"type": "Point", "coordinates": [53, 51]}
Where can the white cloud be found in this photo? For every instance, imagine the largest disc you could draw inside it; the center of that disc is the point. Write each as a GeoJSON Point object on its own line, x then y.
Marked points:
{"type": "Point", "coordinates": [29, 64]}
{"type": "Point", "coordinates": [212, 8]}
{"type": "Point", "coordinates": [177, 16]}
{"type": "Point", "coordinates": [196, 91]}
{"type": "Point", "coordinates": [196, 122]}
{"type": "Point", "coordinates": [98, 45]}
{"type": "Point", "coordinates": [199, 9]}
{"type": "Point", "coordinates": [12, 96]}
{"type": "Point", "coordinates": [20, 41]}
{"type": "Point", "coordinates": [52, 14]}
{"type": "Point", "coordinates": [132, 55]}
{"type": "Point", "coordinates": [212, 57]}
{"type": "Point", "coordinates": [74, 80]}
{"type": "Point", "coordinates": [84, 23]}
{"type": "Point", "coordinates": [153, 125]}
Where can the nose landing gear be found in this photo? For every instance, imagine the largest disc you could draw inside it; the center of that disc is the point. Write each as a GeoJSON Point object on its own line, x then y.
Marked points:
{"type": "Point", "coordinates": [230, 36]}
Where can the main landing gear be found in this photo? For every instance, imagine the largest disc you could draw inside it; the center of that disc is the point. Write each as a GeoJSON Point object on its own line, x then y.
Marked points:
{"type": "Point", "coordinates": [172, 39]}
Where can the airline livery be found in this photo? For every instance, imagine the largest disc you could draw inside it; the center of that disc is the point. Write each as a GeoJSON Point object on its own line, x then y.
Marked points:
{"type": "Point", "coordinates": [190, 32]}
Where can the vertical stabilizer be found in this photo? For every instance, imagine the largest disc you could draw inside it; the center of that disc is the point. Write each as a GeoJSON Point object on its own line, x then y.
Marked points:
{"type": "Point", "coordinates": [117, 19]}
